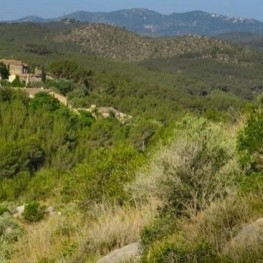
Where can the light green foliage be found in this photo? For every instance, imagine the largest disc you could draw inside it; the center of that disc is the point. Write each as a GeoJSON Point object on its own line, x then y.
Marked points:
{"type": "Point", "coordinates": [103, 176]}
{"type": "Point", "coordinates": [168, 252]}
{"type": "Point", "coordinates": [42, 185]}
{"type": "Point", "coordinates": [250, 139]}
{"type": "Point", "coordinates": [13, 188]}
{"type": "Point", "coordinates": [196, 167]}
{"type": "Point", "coordinates": [9, 234]}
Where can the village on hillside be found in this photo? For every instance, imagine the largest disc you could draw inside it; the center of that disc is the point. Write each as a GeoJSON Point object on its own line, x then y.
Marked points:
{"type": "Point", "coordinates": [18, 70]}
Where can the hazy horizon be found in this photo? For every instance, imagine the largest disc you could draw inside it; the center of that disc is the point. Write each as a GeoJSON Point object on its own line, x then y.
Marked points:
{"type": "Point", "coordinates": [55, 8]}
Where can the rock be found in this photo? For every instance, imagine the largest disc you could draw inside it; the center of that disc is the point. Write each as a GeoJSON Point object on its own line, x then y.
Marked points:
{"type": "Point", "coordinates": [129, 253]}
{"type": "Point", "coordinates": [250, 237]}
{"type": "Point", "coordinates": [50, 211]}
{"type": "Point", "coordinates": [19, 210]}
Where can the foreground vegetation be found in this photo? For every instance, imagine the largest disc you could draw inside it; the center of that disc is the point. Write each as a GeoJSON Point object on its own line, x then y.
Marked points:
{"type": "Point", "coordinates": [185, 199]}
{"type": "Point", "coordinates": [183, 177]}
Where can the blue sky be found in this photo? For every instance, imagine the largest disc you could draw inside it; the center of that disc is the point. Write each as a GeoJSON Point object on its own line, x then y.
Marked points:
{"type": "Point", "coordinates": [12, 9]}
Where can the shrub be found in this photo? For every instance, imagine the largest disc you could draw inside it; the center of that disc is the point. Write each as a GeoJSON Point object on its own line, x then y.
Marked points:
{"type": "Point", "coordinates": [33, 212]}
{"type": "Point", "coordinates": [194, 170]}
{"type": "Point", "coordinates": [157, 230]}
{"type": "Point", "coordinates": [24, 155]}
{"type": "Point", "coordinates": [103, 176]}
{"type": "Point", "coordinates": [9, 234]}
{"type": "Point", "coordinates": [250, 140]}
{"type": "Point", "coordinates": [169, 252]}
{"type": "Point", "coordinates": [3, 209]}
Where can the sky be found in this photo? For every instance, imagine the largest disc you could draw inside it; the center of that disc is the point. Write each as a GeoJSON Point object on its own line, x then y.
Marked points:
{"type": "Point", "coordinates": [14, 9]}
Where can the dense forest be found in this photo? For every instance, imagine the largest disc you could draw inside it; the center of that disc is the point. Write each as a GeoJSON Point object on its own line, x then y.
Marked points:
{"type": "Point", "coordinates": [182, 179]}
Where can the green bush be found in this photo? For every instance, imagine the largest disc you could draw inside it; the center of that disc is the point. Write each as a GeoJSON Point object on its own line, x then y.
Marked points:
{"type": "Point", "coordinates": [169, 252]}
{"type": "Point", "coordinates": [3, 209]}
{"type": "Point", "coordinates": [160, 228]}
{"type": "Point", "coordinates": [10, 231]}
{"type": "Point", "coordinates": [17, 83]}
{"type": "Point", "coordinates": [22, 156]}
{"type": "Point", "coordinates": [103, 175]}
{"type": "Point", "coordinates": [42, 184]}
{"type": "Point", "coordinates": [33, 212]}
{"type": "Point", "coordinates": [250, 140]}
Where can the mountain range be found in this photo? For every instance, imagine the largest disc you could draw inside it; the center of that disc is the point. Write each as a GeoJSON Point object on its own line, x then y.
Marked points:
{"type": "Point", "coordinates": [151, 23]}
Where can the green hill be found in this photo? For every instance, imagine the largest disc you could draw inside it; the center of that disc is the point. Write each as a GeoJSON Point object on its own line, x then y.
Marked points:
{"type": "Point", "coordinates": [182, 178]}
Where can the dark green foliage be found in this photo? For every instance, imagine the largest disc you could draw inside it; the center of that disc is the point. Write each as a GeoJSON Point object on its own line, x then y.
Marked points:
{"type": "Point", "coordinates": [62, 85]}
{"type": "Point", "coordinates": [70, 70]}
{"type": "Point", "coordinates": [37, 49]}
{"type": "Point", "coordinates": [42, 140]}
{"type": "Point", "coordinates": [142, 133]}
{"type": "Point", "coordinates": [5, 94]}
{"type": "Point", "coordinates": [17, 83]}
{"type": "Point", "coordinates": [34, 212]}
{"type": "Point", "coordinates": [3, 71]}
{"type": "Point", "coordinates": [86, 119]}
{"type": "Point", "coordinates": [20, 156]}
{"type": "Point", "coordinates": [44, 101]}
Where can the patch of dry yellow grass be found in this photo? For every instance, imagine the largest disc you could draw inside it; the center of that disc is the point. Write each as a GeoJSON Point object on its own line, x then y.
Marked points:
{"type": "Point", "coordinates": [78, 235]}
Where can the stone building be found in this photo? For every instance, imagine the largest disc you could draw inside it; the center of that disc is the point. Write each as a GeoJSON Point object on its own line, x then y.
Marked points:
{"type": "Point", "coordinates": [20, 69]}
{"type": "Point", "coordinates": [15, 67]}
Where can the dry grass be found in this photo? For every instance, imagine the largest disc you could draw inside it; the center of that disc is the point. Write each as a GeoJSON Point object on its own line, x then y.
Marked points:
{"type": "Point", "coordinates": [73, 235]}
{"type": "Point", "coordinates": [115, 227]}
{"type": "Point", "coordinates": [42, 240]}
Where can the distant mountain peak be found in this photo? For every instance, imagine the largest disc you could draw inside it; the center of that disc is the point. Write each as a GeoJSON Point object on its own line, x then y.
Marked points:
{"type": "Point", "coordinates": [147, 22]}
{"type": "Point", "coordinates": [32, 18]}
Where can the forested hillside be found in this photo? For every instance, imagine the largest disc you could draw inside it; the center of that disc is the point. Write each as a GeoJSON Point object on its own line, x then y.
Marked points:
{"type": "Point", "coordinates": [180, 179]}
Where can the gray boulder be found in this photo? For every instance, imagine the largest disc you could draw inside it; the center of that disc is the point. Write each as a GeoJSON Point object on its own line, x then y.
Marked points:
{"type": "Point", "coordinates": [19, 210]}
{"type": "Point", "coordinates": [249, 238]}
{"type": "Point", "coordinates": [129, 253]}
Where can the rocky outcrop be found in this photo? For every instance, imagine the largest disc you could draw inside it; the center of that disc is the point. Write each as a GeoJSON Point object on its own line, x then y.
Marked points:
{"type": "Point", "coordinates": [249, 238]}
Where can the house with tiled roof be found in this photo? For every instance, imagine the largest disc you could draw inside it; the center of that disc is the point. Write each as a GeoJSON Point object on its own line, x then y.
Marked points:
{"type": "Point", "coordinates": [20, 69]}
{"type": "Point", "coordinates": [15, 67]}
